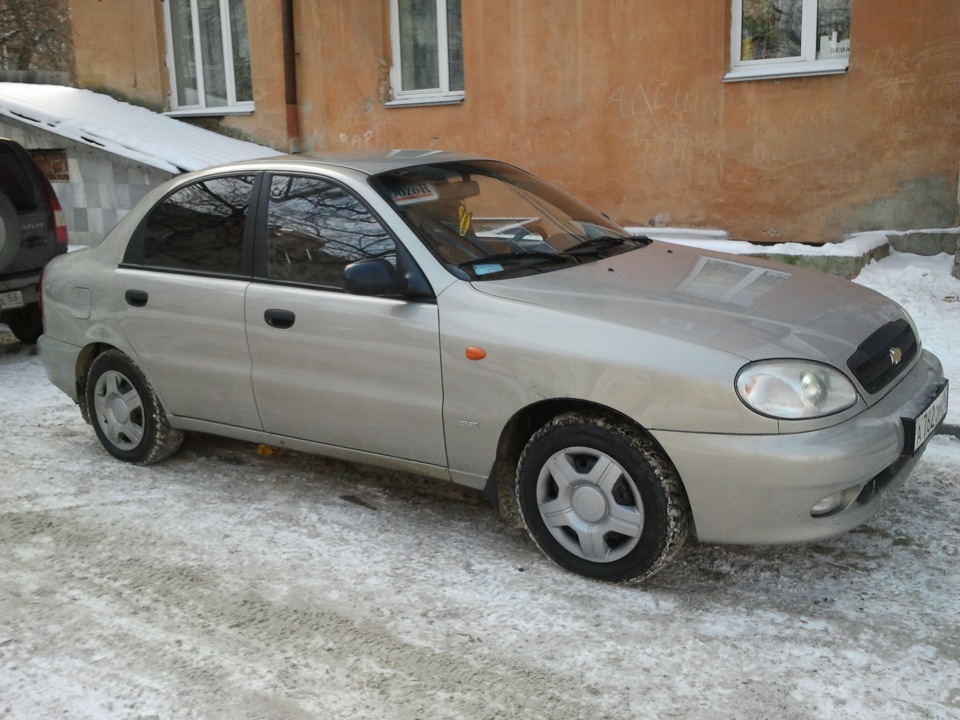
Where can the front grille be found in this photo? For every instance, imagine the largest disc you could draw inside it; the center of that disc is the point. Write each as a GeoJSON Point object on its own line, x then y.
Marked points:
{"type": "Point", "coordinates": [883, 355]}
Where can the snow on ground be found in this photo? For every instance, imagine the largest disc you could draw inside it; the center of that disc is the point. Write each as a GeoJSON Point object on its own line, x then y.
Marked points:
{"type": "Point", "coordinates": [227, 584]}
{"type": "Point", "coordinates": [924, 286]}
{"type": "Point", "coordinates": [856, 245]}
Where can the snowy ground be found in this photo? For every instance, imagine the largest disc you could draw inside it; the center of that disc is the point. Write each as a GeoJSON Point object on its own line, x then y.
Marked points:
{"type": "Point", "coordinates": [227, 584]}
{"type": "Point", "coordinates": [925, 287]}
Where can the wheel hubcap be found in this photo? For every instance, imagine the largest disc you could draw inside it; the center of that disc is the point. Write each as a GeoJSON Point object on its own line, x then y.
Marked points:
{"type": "Point", "coordinates": [121, 413]}
{"type": "Point", "coordinates": [119, 410]}
{"type": "Point", "coordinates": [590, 504]}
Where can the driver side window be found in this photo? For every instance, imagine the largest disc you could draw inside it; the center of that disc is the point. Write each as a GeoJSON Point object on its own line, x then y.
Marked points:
{"type": "Point", "coordinates": [316, 228]}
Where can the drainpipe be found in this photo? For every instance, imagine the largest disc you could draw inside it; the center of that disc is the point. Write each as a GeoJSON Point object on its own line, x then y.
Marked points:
{"type": "Point", "coordinates": [290, 77]}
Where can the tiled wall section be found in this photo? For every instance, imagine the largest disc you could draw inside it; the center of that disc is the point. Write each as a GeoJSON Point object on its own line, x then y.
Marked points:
{"type": "Point", "coordinates": [102, 188]}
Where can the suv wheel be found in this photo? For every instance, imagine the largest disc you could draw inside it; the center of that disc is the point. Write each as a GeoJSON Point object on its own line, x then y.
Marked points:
{"type": "Point", "coordinates": [25, 323]}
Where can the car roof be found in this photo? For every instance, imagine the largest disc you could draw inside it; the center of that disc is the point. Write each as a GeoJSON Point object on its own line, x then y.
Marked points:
{"type": "Point", "coordinates": [369, 162]}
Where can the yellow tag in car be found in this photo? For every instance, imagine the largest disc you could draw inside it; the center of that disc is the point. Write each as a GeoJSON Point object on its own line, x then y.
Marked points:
{"type": "Point", "coordinates": [465, 218]}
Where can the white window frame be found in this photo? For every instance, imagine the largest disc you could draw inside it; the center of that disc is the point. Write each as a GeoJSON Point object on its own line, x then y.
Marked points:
{"type": "Point", "coordinates": [441, 95]}
{"type": "Point", "coordinates": [233, 107]}
{"type": "Point", "coordinates": [805, 65]}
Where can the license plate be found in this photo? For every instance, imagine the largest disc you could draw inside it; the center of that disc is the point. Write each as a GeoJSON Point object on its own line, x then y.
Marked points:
{"type": "Point", "coordinates": [918, 429]}
{"type": "Point", "coordinates": [11, 300]}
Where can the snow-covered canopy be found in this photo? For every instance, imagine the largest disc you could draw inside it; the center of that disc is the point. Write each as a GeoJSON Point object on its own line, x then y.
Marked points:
{"type": "Point", "coordinates": [117, 127]}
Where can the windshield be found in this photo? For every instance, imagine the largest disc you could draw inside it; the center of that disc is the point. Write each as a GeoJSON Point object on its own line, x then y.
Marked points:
{"type": "Point", "coordinates": [486, 220]}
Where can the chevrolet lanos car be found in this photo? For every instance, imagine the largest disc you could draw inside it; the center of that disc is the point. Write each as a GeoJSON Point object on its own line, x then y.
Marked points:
{"type": "Point", "coordinates": [462, 319]}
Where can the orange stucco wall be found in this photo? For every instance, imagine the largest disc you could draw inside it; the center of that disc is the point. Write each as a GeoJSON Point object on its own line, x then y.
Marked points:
{"type": "Point", "coordinates": [623, 103]}
{"type": "Point", "coordinates": [120, 47]}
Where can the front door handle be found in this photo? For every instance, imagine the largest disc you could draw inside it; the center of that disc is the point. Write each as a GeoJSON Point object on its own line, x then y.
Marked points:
{"type": "Point", "coordinates": [280, 319]}
{"type": "Point", "coordinates": [137, 298]}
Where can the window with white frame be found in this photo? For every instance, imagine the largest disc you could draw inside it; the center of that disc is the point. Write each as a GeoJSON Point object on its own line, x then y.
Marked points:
{"type": "Point", "coordinates": [789, 38]}
{"type": "Point", "coordinates": [208, 56]}
{"type": "Point", "coordinates": [427, 41]}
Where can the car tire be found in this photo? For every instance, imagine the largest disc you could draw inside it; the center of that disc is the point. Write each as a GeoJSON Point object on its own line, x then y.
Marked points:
{"type": "Point", "coordinates": [25, 323]}
{"type": "Point", "coordinates": [126, 412]}
{"type": "Point", "coordinates": [9, 232]}
{"type": "Point", "coordinates": [601, 499]}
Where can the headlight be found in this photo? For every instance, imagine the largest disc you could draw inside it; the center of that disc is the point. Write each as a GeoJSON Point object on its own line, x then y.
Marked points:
{"type": "Point", "coordinates": [794, 389]}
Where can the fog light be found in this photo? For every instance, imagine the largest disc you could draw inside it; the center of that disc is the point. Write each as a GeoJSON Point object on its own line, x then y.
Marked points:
{"type": "Point", "coordinates": [835, 503]}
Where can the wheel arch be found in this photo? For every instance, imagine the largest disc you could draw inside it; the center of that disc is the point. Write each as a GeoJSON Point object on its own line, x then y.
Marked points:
{"type": "Point", "coordinates": [500, 487]}
{"type": "Point", "coordinates": [129, 418]}
{"type": "Point", "coordinates": [84, 361]}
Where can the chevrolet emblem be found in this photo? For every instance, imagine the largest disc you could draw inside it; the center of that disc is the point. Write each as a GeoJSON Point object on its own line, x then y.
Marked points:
{"type": "Point", "coordinates": [895, 356]}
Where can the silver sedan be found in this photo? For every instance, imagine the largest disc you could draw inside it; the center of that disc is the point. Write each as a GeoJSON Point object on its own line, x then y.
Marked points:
{"type": "Point", "coordinates": [459, 318]}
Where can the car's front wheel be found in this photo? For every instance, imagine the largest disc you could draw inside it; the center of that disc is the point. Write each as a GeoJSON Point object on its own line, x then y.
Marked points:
{"type": "Point", "coordinates": [601, 499]}
{"type": "Point", "coordinates": [126, 412]}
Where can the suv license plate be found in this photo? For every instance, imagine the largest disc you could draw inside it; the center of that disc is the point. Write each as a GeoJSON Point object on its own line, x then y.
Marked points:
{"type": "Point", "coordinates": [11, 300]}
{"type": "Point", "coordinates": [917, 430]}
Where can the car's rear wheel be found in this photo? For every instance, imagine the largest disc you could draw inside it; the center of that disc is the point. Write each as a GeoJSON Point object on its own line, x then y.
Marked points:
{"type": "Point", "coordinates": [25, 323]}
{"type": "Point", "coordinates": [601, 499]}
{"type": "Point", "coordinates": [126, 412]}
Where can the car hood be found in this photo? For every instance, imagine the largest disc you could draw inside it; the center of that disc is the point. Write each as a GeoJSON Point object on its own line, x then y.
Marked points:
{"type": "Point", "coordinates": [753, 308]}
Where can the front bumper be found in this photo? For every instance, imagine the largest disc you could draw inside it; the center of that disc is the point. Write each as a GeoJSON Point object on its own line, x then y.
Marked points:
{"type": "Point", "coordinates": [760, 489]}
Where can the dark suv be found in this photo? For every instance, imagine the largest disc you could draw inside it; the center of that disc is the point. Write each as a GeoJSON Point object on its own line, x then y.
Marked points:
{"type": "Point", "coordinates": [32, 232]}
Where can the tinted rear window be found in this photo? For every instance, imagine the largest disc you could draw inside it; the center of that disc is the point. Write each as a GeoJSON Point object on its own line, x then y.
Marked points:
{"type": "Point", "coordinates": [15, 180]}
{"type": "Point", "coordinates": [200, 227]}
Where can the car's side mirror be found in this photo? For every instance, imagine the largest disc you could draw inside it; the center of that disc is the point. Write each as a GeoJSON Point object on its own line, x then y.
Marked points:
{"type": "Point", "coordinates": [374, 276]}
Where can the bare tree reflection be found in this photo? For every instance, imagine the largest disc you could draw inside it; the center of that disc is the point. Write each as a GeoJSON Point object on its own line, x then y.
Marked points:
{"type": "Point", "coordinates": [200, 227]}
{"type": "Point", "coordinates": [316, 228]}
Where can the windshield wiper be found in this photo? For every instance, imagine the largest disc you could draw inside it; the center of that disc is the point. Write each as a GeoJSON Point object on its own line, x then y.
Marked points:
{"type": "Point", "coordinates": [516, 256]}
{"type": "Point", "coordinates": [595, 246]}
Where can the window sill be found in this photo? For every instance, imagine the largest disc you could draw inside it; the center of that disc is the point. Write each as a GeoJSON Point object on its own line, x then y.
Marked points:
{"type": "Point", "coordinates": [787, 70]}
{"type": "Point", "coordinates": [434, 99]}
{"type": "Point", "coordinates": [211, 111]}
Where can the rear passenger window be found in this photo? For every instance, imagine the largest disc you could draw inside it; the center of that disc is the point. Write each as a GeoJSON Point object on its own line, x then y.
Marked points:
{"type": "Point", "coordinates": [316, 228]}
{"type": "Point", "coordinates": [200, 227]}
{"type": "Point", "coordinates": [15, 180]}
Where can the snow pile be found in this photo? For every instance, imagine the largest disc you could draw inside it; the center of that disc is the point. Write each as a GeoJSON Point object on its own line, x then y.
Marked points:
{"type": "Point", "coordinates": [719, 241]}
{"type": "Point", "coordinates": [116, 127]}
{"type": "Point", "coordinates": [927, 290]}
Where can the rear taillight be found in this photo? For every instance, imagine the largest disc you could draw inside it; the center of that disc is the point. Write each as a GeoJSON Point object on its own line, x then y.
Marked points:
{"type": "Point", "coordinates": [59, 224]}
{"type": "Point", "coordinates": [57, 215]}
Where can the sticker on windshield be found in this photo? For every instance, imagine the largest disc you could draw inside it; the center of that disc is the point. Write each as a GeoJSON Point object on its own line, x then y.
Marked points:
{"type": "Point", "coordinates": [487, 269]}
{"type": "Point", "coordinates": [413, 193]}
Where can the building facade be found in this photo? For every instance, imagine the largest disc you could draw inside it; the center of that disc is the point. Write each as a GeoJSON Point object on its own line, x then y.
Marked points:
{"type": "Point", "coordinates": [795, 120]}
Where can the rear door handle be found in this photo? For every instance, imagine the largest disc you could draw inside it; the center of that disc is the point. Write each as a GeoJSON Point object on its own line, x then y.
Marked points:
{"type": "Point", "coordinates": [281, 319]}
{"type": "Point", "coordinates": [137, 298]}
